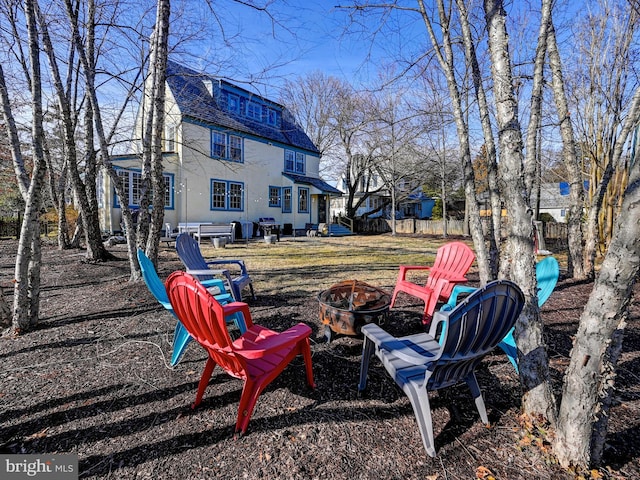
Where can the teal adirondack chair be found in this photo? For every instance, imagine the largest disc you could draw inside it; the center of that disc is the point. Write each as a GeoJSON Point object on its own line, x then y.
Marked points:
{"type": "Point", "coordinates": [547, 274]}
{"type": "Point", "coordinates": [181, 337]}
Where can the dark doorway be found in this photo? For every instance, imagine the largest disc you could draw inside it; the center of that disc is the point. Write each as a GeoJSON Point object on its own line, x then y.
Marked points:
{"type": "Point", "coordinates": [322, 209]}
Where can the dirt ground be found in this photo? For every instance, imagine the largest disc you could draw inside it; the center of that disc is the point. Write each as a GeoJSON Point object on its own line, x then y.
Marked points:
{"type": "Point", "coordinates": [94, 380]}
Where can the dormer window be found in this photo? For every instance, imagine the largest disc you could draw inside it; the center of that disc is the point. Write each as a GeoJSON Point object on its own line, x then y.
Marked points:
{"type": "Point", "coordinates": [233, 102]}
{"type": "Point", "coordinates": [272, 117]}
{"type": "Point", "coordinates": [254, 110]}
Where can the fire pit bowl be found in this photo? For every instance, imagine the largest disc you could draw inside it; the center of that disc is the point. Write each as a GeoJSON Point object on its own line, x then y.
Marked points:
{"type": "Point", "coordinates": [347, 306]}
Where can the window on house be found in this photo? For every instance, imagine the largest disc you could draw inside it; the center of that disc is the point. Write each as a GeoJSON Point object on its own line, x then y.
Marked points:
{"type": "Point", "coordinates": [303, 200]}
{"type": "Point", "coordinates": [131, 181]}
{"type": "Point", "coordinates": [563, 212]}
{"type": "Point", "coordinates": [170, 139]}
{"type": "Point", "coordinates": [272, 116]}
{"type": "Point", "coordinates": [286, 200]}
{"type": "Point", "coordinates": [274, 196]}
{"type": "Point", "coordinates": [218, 145]}
{"type": "Point", "coordinates": [235, 196]}
{"type": "Point", "coordinates": [289, 157]}
{"type": "Point", "coordinates": [235, 148]}
{"type": "Point", "coordinates": [226, 195]}
{"type": "Point", "coordinates": [300, 167]}
{"type": "Point", "coordinates": [233, 102]}
{"type": "Point", "coordinates": [226, 146]}
{"type": "Point", "coordinates": [254, 110]}
{"type": "Point", "coordinates": [294, 162]}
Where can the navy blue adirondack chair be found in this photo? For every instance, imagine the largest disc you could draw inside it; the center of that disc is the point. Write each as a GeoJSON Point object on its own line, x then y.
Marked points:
{"type": "Point", "coordinates": [547, 274]}
{"type": "Point", "coordinates": [191, 256]}
{"type": "Point", "coordinates": [421, 363]}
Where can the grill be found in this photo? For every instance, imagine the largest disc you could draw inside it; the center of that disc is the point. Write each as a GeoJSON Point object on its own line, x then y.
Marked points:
{"type": "Point", "coordinates": [347, 306]}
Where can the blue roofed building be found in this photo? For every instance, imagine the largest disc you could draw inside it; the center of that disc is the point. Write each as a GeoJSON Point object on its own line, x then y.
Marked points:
{"type": "Point", "coordinates": [229, 155]}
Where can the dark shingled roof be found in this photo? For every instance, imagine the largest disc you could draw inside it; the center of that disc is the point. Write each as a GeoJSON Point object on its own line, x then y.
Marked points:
{"type": "Point", "coordinates": [321, 185]}
{"type": "Point", "coordinates": [195, 101]}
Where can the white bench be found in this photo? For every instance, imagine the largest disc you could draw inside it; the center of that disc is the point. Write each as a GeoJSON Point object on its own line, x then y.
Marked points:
{"type": "Point", "coordinates": [213, 230]}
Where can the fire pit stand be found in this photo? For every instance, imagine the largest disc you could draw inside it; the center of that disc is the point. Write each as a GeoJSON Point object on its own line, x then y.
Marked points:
{"type": "Point", "coordinates": [347, 306]}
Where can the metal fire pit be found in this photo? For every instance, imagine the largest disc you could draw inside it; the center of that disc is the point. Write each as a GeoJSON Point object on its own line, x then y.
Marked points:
{"type": "Point", "coordinates": [348, 305]}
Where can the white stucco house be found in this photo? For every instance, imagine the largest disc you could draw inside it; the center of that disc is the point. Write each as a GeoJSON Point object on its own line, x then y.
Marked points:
{"type": "Point", "coordinates": [229, 155]}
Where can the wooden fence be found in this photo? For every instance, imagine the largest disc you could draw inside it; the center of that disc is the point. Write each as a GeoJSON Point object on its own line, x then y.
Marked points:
{"type": "Point", "coordinates": [554, 232]}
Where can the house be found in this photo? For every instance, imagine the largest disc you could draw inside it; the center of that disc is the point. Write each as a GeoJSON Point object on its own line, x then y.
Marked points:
{"type": "Point", "coordinates": [554, 200]}
{"type": "Point", "coordinates": [229, 155]}
{"type": "Point", "coordinates": [412, 203]}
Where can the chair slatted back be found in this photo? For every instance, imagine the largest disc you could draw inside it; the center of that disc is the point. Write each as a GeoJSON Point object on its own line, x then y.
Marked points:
{"type": "Point", "coordinates": [190, 254]}
{"type": "Point", "coordinates": [474, 328]}
{"type": "Point", "coordinates": [203, 317]}
{"type": "Point", "coordinates": [453, 258]}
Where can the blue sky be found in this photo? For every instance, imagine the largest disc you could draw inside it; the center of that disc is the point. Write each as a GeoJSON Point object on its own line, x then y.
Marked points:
{"type": "Point", "coordinates": [308, 35]}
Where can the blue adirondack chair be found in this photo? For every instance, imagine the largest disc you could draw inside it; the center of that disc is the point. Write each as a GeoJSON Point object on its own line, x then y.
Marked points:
{"type": "Point", "coordinates": [191, 256]}
{"type": "Point", "coordinates": [181, 337]}
{"type": "Point", "coordinates": [547, 274]}
{"type": "Point", "coordinates": [420, 363]}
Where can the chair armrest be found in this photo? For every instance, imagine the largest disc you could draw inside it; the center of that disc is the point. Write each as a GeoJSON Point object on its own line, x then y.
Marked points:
{"type": "Point", "coordinates": [212, 284]}
{"type": "Point", "coordinates": [453, 299]}
{"type": "Point", "coordinates": [195, 273]}
{"type": "Point", "coordinates": [414, 267]}
{"type": "Point", "coordinates": [404, 269]}
{"type": "Point", "coordinates": [273, 343]}
{"type": "Point", "coordinates": [385, 341]}
{"type": "Point", "coordinates": [240, 263]}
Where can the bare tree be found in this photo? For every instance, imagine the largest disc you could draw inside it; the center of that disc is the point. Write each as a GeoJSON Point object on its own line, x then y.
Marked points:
{"type": "Point", "coordinates": [589, 381]}
{"type": "Point", "coordinates": [314, 100]}
{"type": "Point", "coordinates": [570, 158]}
{"type": "Point", "coordinates": [26, 297]}
{"type": "Point", "coordinates": [600, 87]}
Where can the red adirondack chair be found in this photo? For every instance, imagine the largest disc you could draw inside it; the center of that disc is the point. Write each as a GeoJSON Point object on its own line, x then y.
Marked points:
{"type": "Point", "coordinates": [257, 356]}
{"type": "Point", "coordinates": [452, 262]}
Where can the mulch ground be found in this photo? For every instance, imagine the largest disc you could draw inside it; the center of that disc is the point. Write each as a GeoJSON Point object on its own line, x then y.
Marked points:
{"type": "Point", "coordinates": [94, 380]}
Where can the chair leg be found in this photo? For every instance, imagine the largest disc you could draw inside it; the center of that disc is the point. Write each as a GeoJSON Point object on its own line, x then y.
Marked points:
{"type": "Point", "coordinates": [393, 297]}
{"type": "Point", "coordinates": [477, 396]}
{"type": "Point", "coordinates": [419, 398]}
{"type": "Point", "coordinates": [250, 393]}
{"type": "Point", "coordinates": [306, 353]}
{"type": "Point", "coordinates": [253, 294]}
{"type": "Point", "coordinates": [204, 380]}
{"type": "Point", "coordinates": [367, 352]}
{"type": "Point", "coordinates": [181, 339]}
{"type": "Point", "coordinates": [508, 345]}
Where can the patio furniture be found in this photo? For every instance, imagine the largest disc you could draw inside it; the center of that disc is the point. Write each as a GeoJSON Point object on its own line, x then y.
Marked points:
{"type": "Point", "coordinates": [547, 274]}
{"type": "Point", "coordinates": [452, 262]}
{"type": "Point", "coordinates": [420, 363]}
{"type": "Point", "coordinates": [191, 256]}
{"type": "Point", "coordinates": [257, 357]}
{"type": "Point", "coordinates": [181, 337]}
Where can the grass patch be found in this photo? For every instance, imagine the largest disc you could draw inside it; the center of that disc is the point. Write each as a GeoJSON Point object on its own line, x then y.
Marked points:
{"type": "Point", "coordinates": [310, 265]}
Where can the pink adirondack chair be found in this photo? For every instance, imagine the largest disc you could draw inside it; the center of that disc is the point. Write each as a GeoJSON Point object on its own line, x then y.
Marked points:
{"type": "Point", "coordinates": [452, 262]}
{"type": "Point", "coordinates": [257, 356]}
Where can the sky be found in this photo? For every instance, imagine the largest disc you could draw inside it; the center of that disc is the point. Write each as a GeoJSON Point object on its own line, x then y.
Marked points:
{"type": "Point", "coordinates": [308, 35]}
{"type": "Point", "coordinates": [304, 36]}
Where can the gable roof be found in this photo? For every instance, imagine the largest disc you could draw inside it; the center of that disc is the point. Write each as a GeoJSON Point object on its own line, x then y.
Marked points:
{"type": "Point", "coordinates": [203, 98]}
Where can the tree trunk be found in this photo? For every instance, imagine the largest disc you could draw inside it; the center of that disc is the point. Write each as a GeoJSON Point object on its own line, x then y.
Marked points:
{"type": "Point", "coordinates": [447, 64]}
{"type": "Point", "coordinates": [87, 206]}
{"type": "Point", "coordinates": [533, 361]}
{"type": "Point", "coordinates": [589, 379]}
{"type": "Point", "coordinates": [570, 159]}
{"type": "Point", "coordinates": [159, 56]}
{"type": "Point", "coordinates": [490, 146]}
{"type": "Point", "coordinates": [26, 297]}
